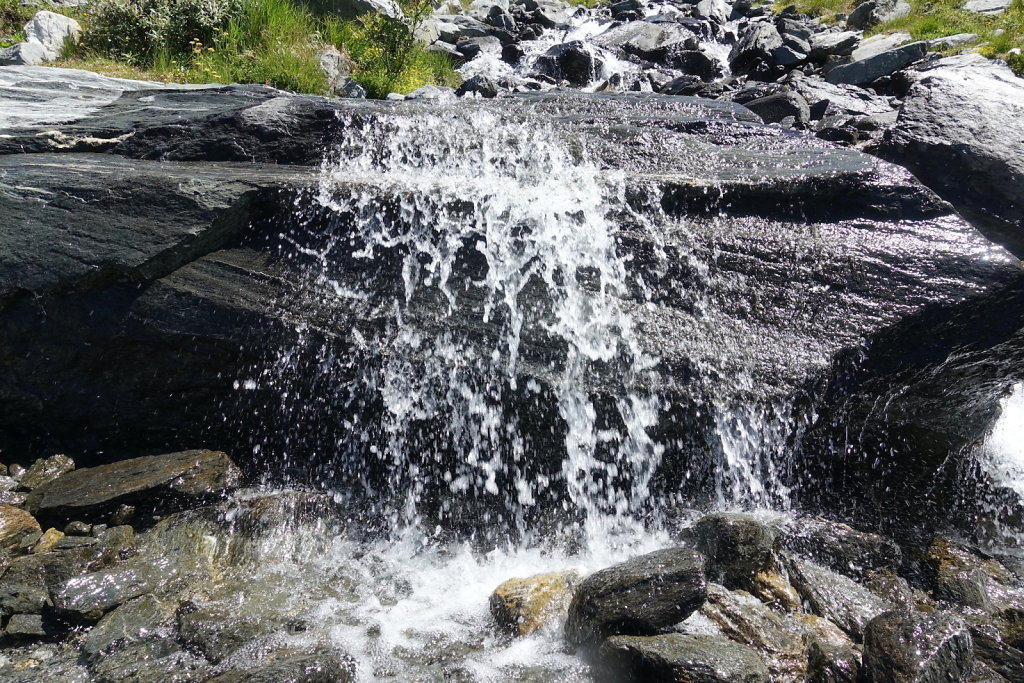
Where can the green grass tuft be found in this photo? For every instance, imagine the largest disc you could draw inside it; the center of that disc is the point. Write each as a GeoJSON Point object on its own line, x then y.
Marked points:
{"type": "Point", "coordinates": [12, 21]}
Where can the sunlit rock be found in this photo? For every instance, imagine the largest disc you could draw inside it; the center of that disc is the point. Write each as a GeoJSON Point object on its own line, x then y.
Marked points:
{"type": "Point", "coordinates": [526, 605]}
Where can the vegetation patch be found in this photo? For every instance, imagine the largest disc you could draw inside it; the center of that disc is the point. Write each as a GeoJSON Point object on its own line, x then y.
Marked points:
{"type": "Point", "coordinates": [12, 21]}
{"type": "Point", "coordinates": [274, 42]}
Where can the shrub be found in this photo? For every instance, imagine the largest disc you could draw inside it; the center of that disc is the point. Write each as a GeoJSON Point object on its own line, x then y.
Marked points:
{"type": "Point", "coordinates": [12, 21]}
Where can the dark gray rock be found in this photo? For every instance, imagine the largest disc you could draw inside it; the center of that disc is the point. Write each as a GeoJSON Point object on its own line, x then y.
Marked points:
{"type": "Point", "coordinates": [25, 626]}
{"type": "Point", "coordinates": [961, 131]}
{"type": "Point", "coordinates": [93, 491]}
{"type": "Point", "coordinates": [917, 647]}
{"type": "Point", "coordinates": [217, 632]}
{"type": "Point", "coordinates": [480, 85]}
{"type": "Point", "coordinates": [471, 48]}
{"type": "Point", "coordinates": [836, 597]}
{"type": "Point", "coordinates": [637, 597]}
{"type": "Point", "coordinates": [681, 657]}
{"type": "Point", "coordinates": [874, 12]}
{"type": "Point", "coordinates": [831, 664]}
{"type": "Point", "coordinates": [780, 106]}
{"type": "Point", "coordinates": [654, 42]}
{"type": "Point", "coordinates": [295, 667]}
{"type": "Point", "coordinates": [573, 62]}
{"type": "Point", "coordinates": [90, 596]}
{"type": "Point", "coordinates": [154, 660]}
{"type": "Point", "coordinates": [841, 548]}
{"type": "Point", "coordinates": [134, 622]}
{"type": "Point", "coordinates": [758, 40]}
{"type": "Point", "coordinates": [867, 70]}
{"type": "Point", "coordinates": [737, 546]}
{"type": "Point", "coordinates": [824, 45]}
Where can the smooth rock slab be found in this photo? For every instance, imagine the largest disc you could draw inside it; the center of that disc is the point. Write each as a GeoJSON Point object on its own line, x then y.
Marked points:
{"type": "Point", "coordinates": [915, 647]}
{"type": "Point", "coordinates": [637, 597]}
{"type": "Point", "coordinates": [682, 657]}
{"type": "Point", "coordinates": [867, 70]}
{"type": "Point", "coordinates": [89, 491]}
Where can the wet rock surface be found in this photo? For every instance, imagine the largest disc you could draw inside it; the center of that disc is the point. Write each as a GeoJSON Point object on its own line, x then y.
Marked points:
{"type": "Point", "coordinates": [907, 646]}
{"type": "Point", "coordinates": [679, 657]}
{"type": "Point", "coordinates": [638, 597]}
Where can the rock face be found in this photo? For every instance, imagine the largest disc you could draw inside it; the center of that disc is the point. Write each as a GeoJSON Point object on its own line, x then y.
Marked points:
{"type": "Point", "coordinates": [93, 490]}
{"type": "Point", "coordinates": [679, 657]}
{"type": "Point", "coordinates": [836, 598]}
{"type": "Point", "coordinates": [637, 597]}
{"type": "Point", "coordinates": [738, 547]}
{"type": "Point", "coordinates": [961, 132]}
{"type": "Point", "coordinates": [912, 647]}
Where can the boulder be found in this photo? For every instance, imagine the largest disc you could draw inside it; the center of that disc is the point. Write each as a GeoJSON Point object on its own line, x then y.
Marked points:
{"type": "Point", "coordinates": [962, 576]}
{"type": "Point", "coordinates": [824, 45]}
{"type": "Point", "coordinates": [471, 48]}
{"type": "Point", "coordinates": [780, 106]}
{"type": "Point", "coordinates": [295, 667]}
{"type": "Point", "coordinates": [827, 664]}
{"type": "Point", "coordinates": [523, 606]}
{"type": "Point", "coordinates": [15, 523]}
{"type": "Point", "coordinates": [217, 632]}
{"type": "Point", "coordinates": [682, 657]}
{"type": "Point", "coordinates": [757, 42]}
{"type": "Point", "coordinates": [90, 596]}
{"type": "Point", "coordinates": [45, 470]}
{"type": "Point", "coordinates": [573, 62]}
{"type": "Point", "coordinates": [865, 71]}
{"type": "Point", "coordinates": [874, 12]}
{"type": "Point", "coordinates": [479, 85]}
{"type": "Point", "coordinates": [149, 480]}
{"type": "Point", "coordinates": [917, 648]}
{"type": "Point", "coordinates": [836, 597]}
{"type": "Point", "coordinates": [737, 546]}
{"type": "Point", "coordinates": [987, 6]}
{"type": "Point", "coordinates": [131, 623]}
{"type": "Point", "coordinates": [637, 597]}
{"type": "Point", "coordinates": [350, 9]}
{"type": "Point", "coordinates": [51, 31]}
{"type": "Point", "coordinates": [28, 54]}
{"type": "Point", "coordinates": [961, 130]}
{"type": "Point", "coordinates": [336, 66]}
{"type": "Point", "coordinates": [841, 548]}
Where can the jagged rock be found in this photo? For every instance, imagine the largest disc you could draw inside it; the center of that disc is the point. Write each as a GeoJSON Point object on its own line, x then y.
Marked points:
{"type": "Point", "coordinates": [479, 85]}
{"type": "Point", "coordinates": [827, 100]}
{"type": "Point", "coordinates": [737, 546]}
{"type": "Point", "coordinates": [14, 524]}
{"type": "Point", "coordinates": [874, 12]}
{"type": "Point", "coordinates": [953, 41]}
{"type": "Point", "coordinates": [757, 42]}
{"type": "Point", "coordinates": [46, 470]}
{"type": "Point", "coordinates": [744, 619]}
{"type": "Point", "coordinates": [154, 660]}
{"type": "Point", "coordinates": [961, 130]}
{"type": "Point", "coordinates": [780, 106]}
{"type": "Point", "coordinates": [893, 589]}
{"type": "Point", "coordinates": [48, 541]}
{"type": "Point", "coordinates": [916, 647]}
{"type": "Point", "coordinates": [836, 597]}
{"type": "Point", "coordinates": [865, 71]}
{"type": "Point", "coordinates": [832, 665]}
{"type": "Point", "coordinates": [51, 31]}
{"type": "Point", "coordinates": [573, 62]}
{"type": "Point", "coordinates": [89, 596]}
{"type": "Point", "coordinates": [637, 597]}
{"type": "Point", "coordinates": [337, 67]}
{"type": "Point", "coordinates": [148, 480]}
{"type": "Point", "coordinates": [825, 44]}
{"type": "Point", "coordinates": [841, 548]}
{"type": "Point", "coordinates": [681, 657]}
{"type": "Point", "coordinates": [773, 588]}
{"type": "Point", "coordinates": [524, 605]}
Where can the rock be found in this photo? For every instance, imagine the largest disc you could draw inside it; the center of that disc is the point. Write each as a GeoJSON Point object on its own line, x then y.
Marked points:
{"type": "Point", "coordinates": [431, 92]}
{"type": "Point", "coordinates": [737, 546]}
{"type": "Point", "coordinates": [218, 632]}
{"type": "Point", "coordinates": [573, 62]}
{"type": "Point", "coordinates": [744, 619]}
{"type": "Point", "coordinates": [773, 588]}
{"type": "Point", "coordinates": [914, 646]}
{"type": "Point", "coordinates": [878, 44]}
{"type": "Point", "coordinates": [987, 6]}
{"type": "Point", "coordinates": [78, 528]}
{"type": "Point", "coordinates": [336, 66]}
{"type": "Point", "coordinates": [832, 665]}
{"type": "Point", "coordinates": [835, 597]}
{"type": "Point", "coordinates": [959, 575]}
{"type": "Point", "coordinates": [842, 548]}
{"type": "Point", "coordinates": [350, 88]}
{"type": "Point", "coordinates": [14, 524]}
{"type": "Point", "coordinates": [828, 100]}
{"type": "Point", "coordinates": [867, 70]}
{"type": "Point", "coordinates": [681, 657]}
{"type": "Point", "coordinates": [152, 660]}
{"type": "Point", "coordinates": [133, 622]}
{"type": "Point", "coordinates": [961, 132]}
{"type": "Point", "coordinates": [25, 626]}
{"type": "Point", "coordinates": [51, 31]}
{"type": "Point", "coordinates": [874, 12]}
{"type": "Point", "coordinates": [776, 108]}
{"type": "Point", "coordinates": [653, 42]}
{"type": "Point", "coordinates": [30, 54]}
{"type": "Point", "coordinates": [953, 41]}
{"type": "Point", "coordinates": [522, 606]}
{"type": "Point", "coordinates": [351, 9]}
{"type": "Point", "coordinates": [91, 595]}
{"type": "Point", "coordinates": [150, 481]}
{"type": "Point", "coordinates": [295, 667]}
{"type": "Point", "coordinates": [757, 42]}
{"type": "Point", "coordinates": [479, 85]}
{"type": "Point", "coordinates": [47, 542]}
{"type": "Point", "coordinates": [637, 597]}
{"type": "Point", "coordinates": [894, 590]}
{"type": "Point", "coordinates": [471, 48]}
{"type": "Point", "coordinates": [46, 470]}
{"type": "Point", "coordinates": [825, 44]}
{"type": "Point", "coordinates": [717, 11]}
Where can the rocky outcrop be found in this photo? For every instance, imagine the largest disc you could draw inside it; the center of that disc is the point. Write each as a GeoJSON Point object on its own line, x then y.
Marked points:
{"type": "Point", "coordinates": [960, 132]}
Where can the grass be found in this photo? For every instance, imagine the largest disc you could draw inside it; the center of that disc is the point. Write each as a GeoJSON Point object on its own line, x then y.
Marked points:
{"type": "Point", "coordinates": [589, 4]}
{"type": "Point", "coordinates": [273, 42]}
{"type": "Point", "coordinates": [998, 35]}
{"type": "Point", "coordinates": [12, 21]}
